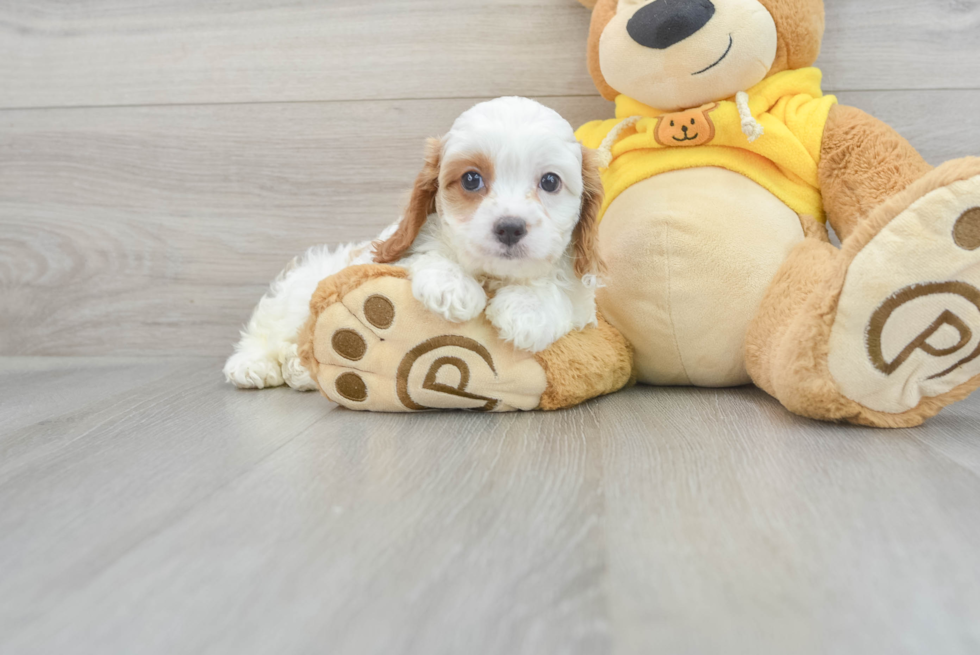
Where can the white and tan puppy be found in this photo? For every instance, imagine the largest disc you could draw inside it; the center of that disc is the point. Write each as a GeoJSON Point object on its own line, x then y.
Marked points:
{"type": "Point", "coordinates": [506, 204]}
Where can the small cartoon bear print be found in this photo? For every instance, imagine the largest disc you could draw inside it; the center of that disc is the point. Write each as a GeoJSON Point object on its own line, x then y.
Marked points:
{"type": "Point", "coordinates": [687, 128]}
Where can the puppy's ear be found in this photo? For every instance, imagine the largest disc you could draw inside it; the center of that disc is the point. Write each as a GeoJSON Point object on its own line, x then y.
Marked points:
{"type": "Point", "coordinates": [421, 204]}
{"type": "Point", "coordinates": [586, 234]}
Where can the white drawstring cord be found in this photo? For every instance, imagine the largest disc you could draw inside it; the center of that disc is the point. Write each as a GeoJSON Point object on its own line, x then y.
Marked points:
{"type": "Point", "coordinates": [750, 127]}
{"type": "Point", "coordinates": [605, 148]}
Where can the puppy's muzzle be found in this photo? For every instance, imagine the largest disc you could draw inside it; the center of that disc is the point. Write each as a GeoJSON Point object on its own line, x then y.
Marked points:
{"type": "Point", "coordinates": [510, 231]}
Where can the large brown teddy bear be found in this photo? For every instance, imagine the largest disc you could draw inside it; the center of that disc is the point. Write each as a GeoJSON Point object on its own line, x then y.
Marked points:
{"type": "Point", "coordinates": [726, 160]}
{"type": "Point", "coordinates": [722, 166]}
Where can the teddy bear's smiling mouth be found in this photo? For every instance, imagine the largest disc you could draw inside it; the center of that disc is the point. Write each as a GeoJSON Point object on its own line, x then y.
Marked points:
{"type": "Point", "coordinates": [687, 138]}
{"type": "Point", "coordinates": [731, 42]}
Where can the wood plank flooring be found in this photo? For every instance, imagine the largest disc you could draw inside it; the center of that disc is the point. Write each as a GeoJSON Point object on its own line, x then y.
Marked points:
{"type": "Point", "coordinates": [161, 161]}
{"type": "Point", "coordinates": [155, 510]}
{"type": "Point", "coordinates": [126, 230]}
{"type": "Point", "coordinates": [183, 51]}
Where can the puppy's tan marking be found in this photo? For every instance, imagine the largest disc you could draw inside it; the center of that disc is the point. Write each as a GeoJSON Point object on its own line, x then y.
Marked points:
{"type": "Point", "coordinates": [586, 234]}
{"type": "Point", "coordinates": [456, 200]}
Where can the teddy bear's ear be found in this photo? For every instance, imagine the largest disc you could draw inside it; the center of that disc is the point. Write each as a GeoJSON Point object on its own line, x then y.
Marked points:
{"type": "Point", "coordinates": [589, 4]}
{"type": "Point", "coordinates": [800, 26]}
{"type": "Point", "coordinates": [605, 11]}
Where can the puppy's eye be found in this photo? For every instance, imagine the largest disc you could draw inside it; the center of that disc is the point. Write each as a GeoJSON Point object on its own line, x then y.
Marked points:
{"type": "Point", "coordinates": [472, 181]}
{"type": "Point", "coordinates": [550, 183]}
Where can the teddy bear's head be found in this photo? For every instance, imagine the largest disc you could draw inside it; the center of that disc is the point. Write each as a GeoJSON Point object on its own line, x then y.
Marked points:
{"type": "Point", "coordinates": [679, 54]}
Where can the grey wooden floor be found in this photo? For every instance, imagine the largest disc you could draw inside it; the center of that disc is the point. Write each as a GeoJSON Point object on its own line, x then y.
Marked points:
{"type": "Point", "coordinates": [145, 508]}
{"type": "Point", "coordinates": [160, 160]}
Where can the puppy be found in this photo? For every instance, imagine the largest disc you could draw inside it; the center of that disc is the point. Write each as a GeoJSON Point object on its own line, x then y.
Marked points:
{"type": "Point", "coordinates": [506, 204]}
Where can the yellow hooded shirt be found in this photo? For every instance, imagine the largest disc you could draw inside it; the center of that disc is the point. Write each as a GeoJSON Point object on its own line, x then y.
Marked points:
{"type": "Point", "coordinates": [790, 107]}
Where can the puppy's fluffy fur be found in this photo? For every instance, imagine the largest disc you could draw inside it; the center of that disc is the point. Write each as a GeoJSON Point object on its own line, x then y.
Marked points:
{"type": "Point", "coordinates": [485, 216]}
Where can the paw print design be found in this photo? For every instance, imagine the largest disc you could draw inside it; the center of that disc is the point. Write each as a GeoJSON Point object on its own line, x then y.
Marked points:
{"type": "Point", "coordinates": [349, 345]}
{"type": "Point", "coordinates": [379, 349]}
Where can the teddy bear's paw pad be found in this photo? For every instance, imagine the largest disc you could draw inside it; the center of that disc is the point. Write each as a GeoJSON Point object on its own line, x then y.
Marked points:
{"type": "Point", "coordinates": [379, 349]}
{"type": "Point", "coordinates": [908, 321]}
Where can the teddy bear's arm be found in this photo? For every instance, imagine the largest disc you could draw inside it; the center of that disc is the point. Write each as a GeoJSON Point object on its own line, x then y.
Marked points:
{"type": "Point", "coordinates": [863, 162]}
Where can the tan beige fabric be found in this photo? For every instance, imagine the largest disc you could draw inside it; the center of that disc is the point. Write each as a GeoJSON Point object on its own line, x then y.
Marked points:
{"type": "Point", "coordinates": [685, 250]}
{"type": "Point", "coordinates": [855, 180]}
{"type": "Point", "coordinates": [418, 361]}
{"type": "Point", "coordinates": [903, 329]}
{"type": "Point", "coordinates": [371, 346]}
{"type": "Point", "coordinates": [789, 346]}
{"type": "Point", "coordinates": [799, 27]}
{"type": "Point", "coordinates": [651, 75]}
{"type": "Point", "coordinates": [603, 12]}
{"type": "Point", "coordinates": [584, 365]}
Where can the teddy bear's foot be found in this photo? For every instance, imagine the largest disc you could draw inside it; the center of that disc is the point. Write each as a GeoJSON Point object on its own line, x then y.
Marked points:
{"type": "Point", "coordinates": [885, 331]}
{"type": "Point", "coordinates": [908, 320]}
{"type": "Point", "coordinates": [371, 346]}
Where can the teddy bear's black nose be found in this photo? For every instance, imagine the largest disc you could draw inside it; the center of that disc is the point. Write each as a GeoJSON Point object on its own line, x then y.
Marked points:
{"type": "Point", "coordinates": [663, 23]}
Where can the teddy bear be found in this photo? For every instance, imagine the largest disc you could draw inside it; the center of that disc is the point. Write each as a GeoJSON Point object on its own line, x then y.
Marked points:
{"type": "Point", "coordinates": [725, 162]}
{"type": "Point", "coordinates": [722, 168]}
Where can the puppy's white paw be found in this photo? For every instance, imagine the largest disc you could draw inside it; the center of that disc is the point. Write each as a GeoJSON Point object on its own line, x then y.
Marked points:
{"type": "Point", "coordinates": [294, 373]}
{"type": "Point", "coordinates": [523, 320]}
{"type": "Point", "coordinates": [457, 298]}
{"type": "Point", "coordinates": [248, 372]}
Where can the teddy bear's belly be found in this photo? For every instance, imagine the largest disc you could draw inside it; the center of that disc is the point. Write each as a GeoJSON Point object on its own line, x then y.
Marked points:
{"type": "Point", "coordinates": [690, 255]}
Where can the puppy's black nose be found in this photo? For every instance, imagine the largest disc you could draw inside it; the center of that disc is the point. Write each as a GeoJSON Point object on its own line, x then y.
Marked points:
{"type": "Point", "coordinates": [663, 23]}
{"type": "Point", "coordinates": [509, 231]}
